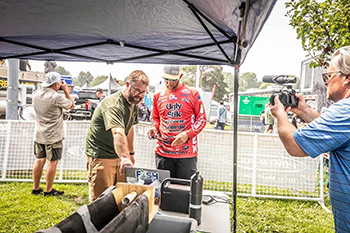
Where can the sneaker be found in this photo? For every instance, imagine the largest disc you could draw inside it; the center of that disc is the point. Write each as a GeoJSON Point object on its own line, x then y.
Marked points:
{"type": "Point", "coordinates": [53, 192]}
{"type": "Point", "coordinates": [37, 192]}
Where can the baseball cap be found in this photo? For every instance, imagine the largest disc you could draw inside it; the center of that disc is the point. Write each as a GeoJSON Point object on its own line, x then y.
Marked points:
{"type": "Point", "coordinates": [51, 78]}
{"type": "Point", "coordinates": [99, 89]}
{"type": "Point", "coordinates": [172, 72]}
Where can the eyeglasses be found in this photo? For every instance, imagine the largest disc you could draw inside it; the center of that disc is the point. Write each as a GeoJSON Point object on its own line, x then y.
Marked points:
{"type": "Point", "coordinates": [138, 91]}
{"type": "Point", "coordinates": [328, 76]}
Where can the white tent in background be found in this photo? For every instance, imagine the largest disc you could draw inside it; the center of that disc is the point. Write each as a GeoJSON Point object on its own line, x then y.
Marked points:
{"type": "Point", "coordinates": [109, 85]}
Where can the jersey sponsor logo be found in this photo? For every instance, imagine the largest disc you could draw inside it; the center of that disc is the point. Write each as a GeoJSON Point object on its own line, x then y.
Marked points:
{"type": "Point", "coordinates": [198, 125]}
{"type": "Point", "coordinates": [185, 91]}
{"type": "Point", "coordinates": [180, 127]}
{"type": "Point", "coordinates": [184, 94]}
{"type": "Point", "coordinates": [172, 97]}
{"type": "Point", "coordinates": [201, 109]}
{"type": "Point", "coordinates": [175, 114]}
{"type": "Point", "coordinates": [171, 127]}
{"type": "Point", "coordinates": [194, 148]}
{"type": "Point", "coordinates": [176, 106]}
{"type": "Point", "coordinates": [174, 110]}
{"type": "Point", "coordinates": [175, 152]}
{"type": "Point", "coordinates": [174, 121]}
{"type": "Point", "coordinates": [184, 147]}
{"type": "Point", "coordinates": [185, 100]}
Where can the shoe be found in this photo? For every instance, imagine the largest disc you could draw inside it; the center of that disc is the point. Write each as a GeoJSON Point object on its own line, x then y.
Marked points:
{"type": "Point", "coordinates": [53, 192]}
{"type": "Point", "coordinates": [37, 192]}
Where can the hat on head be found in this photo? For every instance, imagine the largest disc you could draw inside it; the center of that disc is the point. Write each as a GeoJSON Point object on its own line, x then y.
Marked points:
{"type": "Point", "coordinates": [51, 78]}
{"type": "Point", "coordinates": [172, 72]}
{"type": "Point", "coordinates": [99, 89]}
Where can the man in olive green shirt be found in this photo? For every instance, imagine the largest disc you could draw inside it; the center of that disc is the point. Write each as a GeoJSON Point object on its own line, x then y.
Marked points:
{"type": "Point", "coordinates": [110, 139]}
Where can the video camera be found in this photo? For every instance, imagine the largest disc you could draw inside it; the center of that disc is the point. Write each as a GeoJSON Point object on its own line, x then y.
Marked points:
{"type": "Point", "coordinates": [287, 93]}
{"type": "Point", "coordinates": [62, 84]}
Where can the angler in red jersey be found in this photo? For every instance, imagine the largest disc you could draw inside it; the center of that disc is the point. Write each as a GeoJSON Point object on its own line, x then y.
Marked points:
{"type": "Point", "coordinates": [178, 117]}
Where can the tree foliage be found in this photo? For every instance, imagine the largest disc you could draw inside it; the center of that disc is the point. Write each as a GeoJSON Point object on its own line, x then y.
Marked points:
{"type": "Point", "coordinates": [229, 80]}
{"type": "Point", "coordinates": [122, 82]}
{"type": "Point", "coordinates": [190, 73]}
{"type": "Point", "coordinates": [322, 26]}
{"type": "Point", "coordinates": [62, 71]}
{"type": "Point", "coordinates": [248, 80]}
{"type": "Point", "coordinates": [83, 77]}
{"type": "Point", "coordinates": [208, 77]}
{"type": "Point", "coordinates": [214, 75]}
{"type": "Point", "coordinates": [99, 79]}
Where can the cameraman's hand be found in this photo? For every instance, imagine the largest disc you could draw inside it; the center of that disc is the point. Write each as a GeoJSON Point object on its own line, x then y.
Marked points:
{"type": "Point", "coordinates": [64, 86]}
{"type": "Point", "coordinates": [303, 110]}
{"type": "Point", "coordinates": [278, 109]}
{"type": "Point", "coordinates": [302, 106]}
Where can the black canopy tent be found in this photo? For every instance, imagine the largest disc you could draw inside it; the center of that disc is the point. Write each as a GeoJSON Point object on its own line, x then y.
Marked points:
{"type": "Point", "coordinates": [198, 32]}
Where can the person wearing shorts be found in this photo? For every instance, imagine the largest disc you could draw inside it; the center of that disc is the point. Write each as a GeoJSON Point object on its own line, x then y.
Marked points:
{"type": "Point", "coordinates": [110, 140]}
{"type": "Point", "coordinates": [49, 131]}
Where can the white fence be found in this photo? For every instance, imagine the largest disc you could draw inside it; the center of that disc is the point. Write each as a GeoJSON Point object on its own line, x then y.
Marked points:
{"type": "Point", "coordinates": [265, 169]}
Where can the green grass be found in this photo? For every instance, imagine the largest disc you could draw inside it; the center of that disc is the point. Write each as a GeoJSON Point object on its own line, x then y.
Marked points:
{"type": "Point", "coordinates": [22, 212]}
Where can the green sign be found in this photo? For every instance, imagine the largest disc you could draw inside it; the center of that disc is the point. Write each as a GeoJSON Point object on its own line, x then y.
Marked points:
{"type": "Point", "coordinates": [252, 105]}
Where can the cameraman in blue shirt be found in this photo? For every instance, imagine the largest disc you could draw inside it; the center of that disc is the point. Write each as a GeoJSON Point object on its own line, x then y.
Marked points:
{"type": "Point", "coordinates": [327, 132]}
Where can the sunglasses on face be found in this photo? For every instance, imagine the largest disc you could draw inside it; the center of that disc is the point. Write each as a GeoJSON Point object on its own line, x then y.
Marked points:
{"type": "Point", "coordinates": [329, 75]}
{"type": "Point", "coordinates": [170, 80]}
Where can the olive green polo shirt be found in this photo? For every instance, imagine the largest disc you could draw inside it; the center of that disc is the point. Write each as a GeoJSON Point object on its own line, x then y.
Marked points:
{"type": "Point", "coordinates": [113, 112]}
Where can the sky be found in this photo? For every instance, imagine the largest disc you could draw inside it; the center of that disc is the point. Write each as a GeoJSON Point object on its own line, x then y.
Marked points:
{"type": "Point", "coordinates": [276, 51]}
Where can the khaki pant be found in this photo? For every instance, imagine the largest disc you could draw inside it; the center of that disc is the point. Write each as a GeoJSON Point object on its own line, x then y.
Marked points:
{"type": "Point", "coordinates": [102, 173]}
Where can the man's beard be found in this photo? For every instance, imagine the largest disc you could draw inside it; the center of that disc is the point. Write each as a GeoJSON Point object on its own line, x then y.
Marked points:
{"type": "Point", "coordinates": [132, 99]}
{"type": "Point", "coordinates": [173, 87]}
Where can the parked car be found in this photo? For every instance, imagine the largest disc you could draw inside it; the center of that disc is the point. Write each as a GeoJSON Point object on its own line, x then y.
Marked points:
{"type": "Point", "coordinates": [85, 105]}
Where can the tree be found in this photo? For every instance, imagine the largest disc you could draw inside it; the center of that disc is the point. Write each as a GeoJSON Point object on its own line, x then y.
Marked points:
{"type": "Point", "coordinates": [322, 26]}
{"type": "Point", "coordinates": [248, 80]}
{"type": "Point", "coordinates": [122, 82]}
{"type": "Point", "coordinates": [62, 71]}
{"type": "Point", "coordinates": [84, 77]}
{"type": "Point", "coordinates": [214, 75]}
{"type": "Point", "coordinates": [99, 79]}
{"type": "Point", "coordinates": [265, 85]}
{"type": "Point", "coordinates": [229, 80]}
{"type": "Point", "coordinates": [190, 73]}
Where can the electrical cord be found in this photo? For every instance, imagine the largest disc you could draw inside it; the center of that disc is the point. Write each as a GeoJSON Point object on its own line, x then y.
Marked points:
{"type": "Point", "coordinates": [211, 199]}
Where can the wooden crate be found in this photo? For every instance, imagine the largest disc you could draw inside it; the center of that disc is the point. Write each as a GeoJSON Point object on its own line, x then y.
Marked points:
{"type": "Point", "coordinates": [123, 189]}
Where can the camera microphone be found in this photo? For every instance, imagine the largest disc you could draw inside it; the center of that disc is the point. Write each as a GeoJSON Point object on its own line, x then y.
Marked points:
{"type": "Point", "coordinates": [280, 79]}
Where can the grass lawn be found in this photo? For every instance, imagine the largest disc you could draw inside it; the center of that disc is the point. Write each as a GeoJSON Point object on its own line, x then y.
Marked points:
{"type": "Point", "coordinates": [22, 212]}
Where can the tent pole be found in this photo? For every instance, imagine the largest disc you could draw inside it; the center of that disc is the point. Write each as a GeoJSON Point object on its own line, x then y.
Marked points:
{"type": "Point", "coordinates": [235, 152]}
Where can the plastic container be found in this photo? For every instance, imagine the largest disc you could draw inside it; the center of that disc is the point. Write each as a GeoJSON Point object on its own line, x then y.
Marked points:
{"type": "Point", "coordinates": [172, 224]}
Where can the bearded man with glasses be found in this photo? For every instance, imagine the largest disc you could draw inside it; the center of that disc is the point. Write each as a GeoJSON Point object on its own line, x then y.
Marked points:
{"type": "Point", "coordinates": [327, 132]}
{"type": "Point", "coordinates": [178, 117]}
{"type": "Point", "coordinates": [110, 139]}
